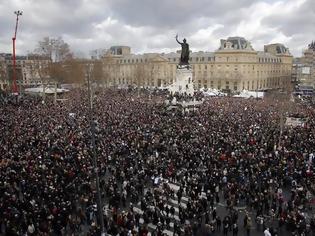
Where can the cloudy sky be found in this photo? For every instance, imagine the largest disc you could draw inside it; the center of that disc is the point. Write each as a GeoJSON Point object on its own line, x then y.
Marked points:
{"type": "Point", "coordinates": [150, 25]}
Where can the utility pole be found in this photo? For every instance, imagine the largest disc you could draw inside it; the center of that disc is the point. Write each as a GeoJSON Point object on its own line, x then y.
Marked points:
{"type": "Point", "coordinates": [44, 92]}
{"type": "Point", "coordinates": [55, 94]}
{"type": "Point", "coordinates": [96, 170]}
{"type": "Point", "coordinates": [284, 107]}
{"type": "Point", "coordinates": [14, 88]}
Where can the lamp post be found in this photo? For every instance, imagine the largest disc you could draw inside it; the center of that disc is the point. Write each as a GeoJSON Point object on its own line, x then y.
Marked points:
{"type": "Point", "coordinates": [92, 126]}
{"type": "Point", "coordinates": [17, 13]}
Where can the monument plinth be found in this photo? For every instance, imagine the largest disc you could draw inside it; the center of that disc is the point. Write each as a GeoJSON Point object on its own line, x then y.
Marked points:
{"type": "Point", "coordinates": [183, 81]}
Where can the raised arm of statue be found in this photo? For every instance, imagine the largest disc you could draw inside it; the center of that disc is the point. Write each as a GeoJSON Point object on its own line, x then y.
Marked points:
{"type": "Point", "coordinates": [176, 37]}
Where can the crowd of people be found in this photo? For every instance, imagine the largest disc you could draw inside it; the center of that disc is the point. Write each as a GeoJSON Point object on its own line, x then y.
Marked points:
{"type": "Point", "coordinates": [227, 168]}
{"type": "Point", "coordinates": [184, 97]}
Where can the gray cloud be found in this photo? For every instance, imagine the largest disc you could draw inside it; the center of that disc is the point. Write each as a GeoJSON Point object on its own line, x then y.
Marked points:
{"type": "Point", "coordinates": [301, 20]}
{"type": "Point", "coordinates": [150, 25]}
{"type": "Point", "coordinates": [165, 13]}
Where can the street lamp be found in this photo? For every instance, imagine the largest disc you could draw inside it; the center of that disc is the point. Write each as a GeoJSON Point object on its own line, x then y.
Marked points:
{"type": "Point", "coordinates": [92, 126]}
{"type": "Point", "coordinates": [17, 13]}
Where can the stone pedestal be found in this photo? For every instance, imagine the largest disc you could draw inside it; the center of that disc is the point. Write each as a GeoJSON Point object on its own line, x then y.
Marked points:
{"type": "Point", "coordinates": [183, 83]}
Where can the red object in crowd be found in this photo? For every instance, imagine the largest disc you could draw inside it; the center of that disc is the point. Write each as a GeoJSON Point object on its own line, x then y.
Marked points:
{"type": "Point", "coordinates": [14, 85]}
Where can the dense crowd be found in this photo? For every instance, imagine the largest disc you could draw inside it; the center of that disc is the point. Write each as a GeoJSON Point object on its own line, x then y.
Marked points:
{"type": "Point", "coordinates": [229, 151]}
{"type": "Point", "coordinates": [184, 97]}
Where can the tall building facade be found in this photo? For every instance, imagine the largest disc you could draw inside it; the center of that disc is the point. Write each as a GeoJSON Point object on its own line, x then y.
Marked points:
{"type": "Point", "coordinates": [29, 69]}
{"type": "Point", "coordinates": [3, 73]}
{"type": "Point", "coordinates": [304, 67]}
{"type": "Point", "coordinates": [235, 66]}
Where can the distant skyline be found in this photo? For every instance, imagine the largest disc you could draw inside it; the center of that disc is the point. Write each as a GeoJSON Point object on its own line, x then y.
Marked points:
{"type": "Point", "coordinates": [151, 25]}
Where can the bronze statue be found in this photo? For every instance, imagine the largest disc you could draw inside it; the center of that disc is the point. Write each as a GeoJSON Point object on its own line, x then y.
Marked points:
{"type": "Point", "coordinates": [184, 57]}
{"type": "Point", "coordinates": [312, 46]}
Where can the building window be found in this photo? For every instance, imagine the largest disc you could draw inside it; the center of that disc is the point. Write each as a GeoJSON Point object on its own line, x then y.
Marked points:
{"type": "Point", "coordinates": [209, 58]}
{"type": "Point", "coordinates": [235, 86]}
{"type": "Point", "coordinates": [227, 85]}
{"type": "Point", "coordinates": [197, 58]}
{"type": "Point", "coordinates": [205, 67]}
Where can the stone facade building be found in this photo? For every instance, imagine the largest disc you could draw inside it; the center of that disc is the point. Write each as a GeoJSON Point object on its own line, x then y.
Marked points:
{"type": "Point", "coordinates": [235, 66]}
{"type": "Point", "coordinates": [29, 70]}
{"type": "Point", "coordinates": [3, 72]}
{"type": "Point", "coordinates": [303, 71]}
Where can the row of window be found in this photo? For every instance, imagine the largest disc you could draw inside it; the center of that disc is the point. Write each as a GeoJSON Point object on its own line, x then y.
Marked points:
{"type": "Point", "coordinates": [272, 60]}
{"type": "Point", "coordinates": [133, 60]}
{"type": "Point", "coordinates": [259, 84]}
{"type": "Point", "coordinates": [198, 59]}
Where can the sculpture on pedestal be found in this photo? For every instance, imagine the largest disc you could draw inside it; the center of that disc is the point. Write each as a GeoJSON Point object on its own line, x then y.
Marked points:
{"type": "Point", "coordinates": [312, 46]}
{"type": "Point", "coordinates": [183, 83]}
{"type": "Point", "coordinates": [184, 57]}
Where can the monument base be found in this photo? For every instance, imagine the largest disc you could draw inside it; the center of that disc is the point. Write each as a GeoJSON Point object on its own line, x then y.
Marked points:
{"type": "Point", "coordinates": [184, 82]}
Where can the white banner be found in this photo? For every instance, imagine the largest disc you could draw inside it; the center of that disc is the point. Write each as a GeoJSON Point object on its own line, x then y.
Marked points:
{"type": "Point", "coordinates": [295, 122]}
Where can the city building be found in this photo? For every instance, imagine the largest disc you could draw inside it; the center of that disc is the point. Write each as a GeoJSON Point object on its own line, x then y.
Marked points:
{"type": "Point", "coordinates": [303, 71]}
{"type": "Point", "coordinates": [235, 66]}
{"type": "Point", "coordinates": [30, 70]}
{"type": "Point", "coordinates": [3, 73]}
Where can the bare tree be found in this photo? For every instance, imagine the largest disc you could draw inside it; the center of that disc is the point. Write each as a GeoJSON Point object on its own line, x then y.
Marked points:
{"type": "Point", "coordinates": [109, 70]}
{"type": "Point", "coordinates": [98, 53]}
{"type": "Point", "coordinates": [3, 73]}
{"type": "Point", "coordinates": [97, 73]}
{"type": "Point", "coordinates": [55, 48]}
{"type": "Point", "coordinates": [74, 71]}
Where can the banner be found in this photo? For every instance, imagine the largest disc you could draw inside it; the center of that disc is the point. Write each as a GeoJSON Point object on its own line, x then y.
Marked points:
{"type": "Point", "coordinates": [295, 122]}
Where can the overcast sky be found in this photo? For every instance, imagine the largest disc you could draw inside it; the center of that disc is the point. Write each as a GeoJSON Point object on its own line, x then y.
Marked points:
{"type": "Point", "coordinates": [151, 25]}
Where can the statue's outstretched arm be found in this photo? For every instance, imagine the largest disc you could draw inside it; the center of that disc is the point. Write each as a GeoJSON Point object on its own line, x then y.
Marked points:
{"type": "Point", "coordinates": [177, 39]}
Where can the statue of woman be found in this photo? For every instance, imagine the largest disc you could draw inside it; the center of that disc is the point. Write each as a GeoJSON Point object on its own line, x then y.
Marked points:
{"type": "Point", "coordinates": [184, 57]}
